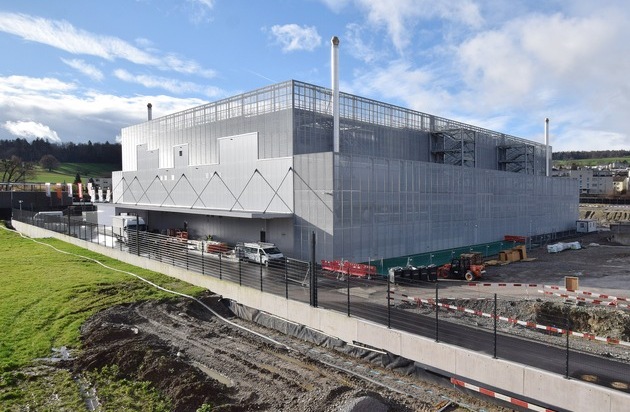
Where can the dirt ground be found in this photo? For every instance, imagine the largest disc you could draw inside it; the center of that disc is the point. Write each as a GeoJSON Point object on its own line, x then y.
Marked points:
{"type": "Point", "coordinates": [601, 264]}
{"type": "Point", "coordinates": [534, 291]}
{"type": "Point", "coordinates": [194, 357]}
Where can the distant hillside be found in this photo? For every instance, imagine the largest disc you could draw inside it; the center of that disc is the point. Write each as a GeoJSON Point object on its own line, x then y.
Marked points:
{"type": "Point", "coordinates": [596, 154]}
{"type": "Point", "coordinates": [66, 172]}
{"type": "Point", "coordinates": [593, 158]}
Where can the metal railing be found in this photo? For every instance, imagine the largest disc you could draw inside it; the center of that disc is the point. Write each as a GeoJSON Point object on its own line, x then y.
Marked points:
{"type": "Point", "coordinates": [535, 330]}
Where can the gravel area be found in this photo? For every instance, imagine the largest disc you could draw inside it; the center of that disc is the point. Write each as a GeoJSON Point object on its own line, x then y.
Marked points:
{"type": "Point", "coordinates": [531, 291]}
{"type": "Point", "coordinates": [194, 358]}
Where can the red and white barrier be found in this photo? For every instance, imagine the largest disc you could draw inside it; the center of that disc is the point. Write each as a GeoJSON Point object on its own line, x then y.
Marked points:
{"type": "Point", "coordinates": [527, 285]}
{"type": "Point", "coordinates": [527, 324]}
{"type": "Point", "coordinates": [587, 300]}
{"type": "Point", "coordinates": [560, 288]}
{"type": "Point", "coordinates": [500, 396]}
{"type": "Point", "coordinates": [585, 292]}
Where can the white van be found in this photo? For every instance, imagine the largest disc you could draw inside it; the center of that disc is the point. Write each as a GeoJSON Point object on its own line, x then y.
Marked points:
{"type": "Point", "coordinates": [260, 252]}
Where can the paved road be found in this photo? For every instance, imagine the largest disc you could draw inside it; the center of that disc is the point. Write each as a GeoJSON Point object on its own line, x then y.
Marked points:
{"type": "Point", "coordinates": [594, 369]}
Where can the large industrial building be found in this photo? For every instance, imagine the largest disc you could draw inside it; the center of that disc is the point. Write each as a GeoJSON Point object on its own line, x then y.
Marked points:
{"type": "Point", "coordinates": [263, 165]}
{"type": "Point", "coordinates": [370, 179]}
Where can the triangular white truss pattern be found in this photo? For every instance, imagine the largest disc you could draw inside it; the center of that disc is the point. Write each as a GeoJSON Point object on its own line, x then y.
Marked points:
{"type": "Point", "coordinates": [259, 191]}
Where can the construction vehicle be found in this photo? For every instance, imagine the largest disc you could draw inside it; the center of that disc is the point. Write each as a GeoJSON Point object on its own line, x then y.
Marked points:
{"type": "Point", "coordinates": [468, 266]}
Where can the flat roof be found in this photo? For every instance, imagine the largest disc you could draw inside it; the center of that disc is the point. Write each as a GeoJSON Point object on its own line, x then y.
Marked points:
{"type": "Point", "coordinates": [240, 214]}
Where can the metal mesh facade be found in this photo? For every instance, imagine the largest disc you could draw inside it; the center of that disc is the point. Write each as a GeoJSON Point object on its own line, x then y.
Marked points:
{"type": "Point", "coordinates": [386, 207]}
{"type": "Point", "coordinates": [266, 111]}
{"type": "Point", "coordinates": [403, 182]}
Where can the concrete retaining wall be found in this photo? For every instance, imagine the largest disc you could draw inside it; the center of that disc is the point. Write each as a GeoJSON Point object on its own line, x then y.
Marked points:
{"type": "Point", "coordinates": [530, 383]}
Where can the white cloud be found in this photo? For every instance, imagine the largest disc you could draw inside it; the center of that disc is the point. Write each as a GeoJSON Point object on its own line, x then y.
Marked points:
{"type": "Point", "coordinates": [201, 10]}
{"type": "Point", "coordinates": [31, 130]}
{"type": "Point", "coordinates": [208, 4]}
{"type": "Point", "coordinates": [418, 87]}
{"type": "Point", "coordinates": [401, 17]}
{"type": "Point", "coordinates": [64, 36]}
{"type": "Point", "coordinates": [537, 52]}
{"type": "Point", "coordinates": [356, 46]}
{"type": "Point", "coordinates": [293, 37]}
{"type": "Point", "coordinates": [170, 85]}
{"type": "Point", "coordinates": [76, 114]}
{"type": "Point", "coordinates": [569, 68]}
{"type": "Point", "coordinates": [509, 75]}
{"type": "Point", "coordinates": [29, 85]}
{"type": "Point", "coordinates": [336, 5]}
{"type": "Point", "coordinates": [184, 66]}
{"type": "Point", "coordinates": [85, 68]}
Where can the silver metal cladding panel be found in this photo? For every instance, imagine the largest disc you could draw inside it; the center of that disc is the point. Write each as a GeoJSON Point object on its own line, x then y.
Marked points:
{"type": "Point", "coordinates": [240, 182]}
{"type": "Point", "coordinates": [314, 197]}
{"type": "Point", "coordinates": [147, 159]}
{"type": "Point", "coordinates": [387, 208]}
{"type": "Point", "coordinates": [266, 111]}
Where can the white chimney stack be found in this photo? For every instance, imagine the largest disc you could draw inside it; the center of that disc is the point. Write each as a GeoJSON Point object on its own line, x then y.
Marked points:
{"type": "Point", "coordinates": [547, 148]}
{"type": "Point", "coordinates": [149, 112]}
{"type": "Point", "coordinates": [334, 72]}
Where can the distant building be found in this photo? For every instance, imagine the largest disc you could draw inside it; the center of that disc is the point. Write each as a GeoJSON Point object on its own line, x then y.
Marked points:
{"type": "Point", "coordinates": [593, 181]}
{"type": "Point", "coordinates": [620, 184]}
{"type": "Point", "coordinates": [265, 165]}
{"type": "Point", "coordinates": [102, 182]}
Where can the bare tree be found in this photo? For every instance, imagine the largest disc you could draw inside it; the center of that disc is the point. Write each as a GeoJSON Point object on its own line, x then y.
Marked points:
{"type": "Point", "coordinates": [14, 170]}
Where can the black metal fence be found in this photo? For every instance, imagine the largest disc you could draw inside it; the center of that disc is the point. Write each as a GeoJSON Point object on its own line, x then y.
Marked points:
{"type": "Point", "coordinates": [541, 330]}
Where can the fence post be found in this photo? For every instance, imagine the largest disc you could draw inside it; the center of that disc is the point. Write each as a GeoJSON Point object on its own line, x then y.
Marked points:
{"type": "Point", "coordinates": [348, 280]}
{"type": "Point", "coordinates": [389, 305]}
{"type": "Point", "coordinates": [220, 266]}
{"type": "Point", "coordinates": [437, 308]}
{"type": "Point", "coordinates": [240, 273]}
{"type": "Point", "coordinates": [495, 326]}
{"type": "Point", "coordinates": [138, 234]}
{"type": "Point", "coordinates": [566, 322]}
{"type": "Point", "coordinates": [286, 278]}
{"type": "Point", "coordinates": [313, 270]}
{"type": "Point", "coordinates": [261, 275]}
{"type": "Point", "coordinates": [203, 263]}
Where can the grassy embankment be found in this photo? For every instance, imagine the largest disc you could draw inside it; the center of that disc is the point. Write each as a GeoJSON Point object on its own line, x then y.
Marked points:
{"type": "Point", "coordinates": [66, 172]}
{"type": "Point", "coordinates": [45, 296]}
{"type": "Point", "coordinates": [590, 162]}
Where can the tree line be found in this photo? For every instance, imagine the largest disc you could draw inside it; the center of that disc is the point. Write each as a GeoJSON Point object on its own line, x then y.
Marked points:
{"type": "Point", "coordinates": [64, 152]}
{"type": "Point", "coordinates": [596, 154]}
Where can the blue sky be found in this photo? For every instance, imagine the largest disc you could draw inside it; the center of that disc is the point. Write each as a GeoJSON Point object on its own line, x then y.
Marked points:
{"type": "Point", "coordinates": [79, 70]}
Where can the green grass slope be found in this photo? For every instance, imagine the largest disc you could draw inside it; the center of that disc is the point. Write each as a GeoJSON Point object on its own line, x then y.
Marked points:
{"type": "Point", "coordinates": [66, 172]}
{"type": "Point", "coordinates": [45, 296]}
{"type": "Point", "coordinates": [590, 162]}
